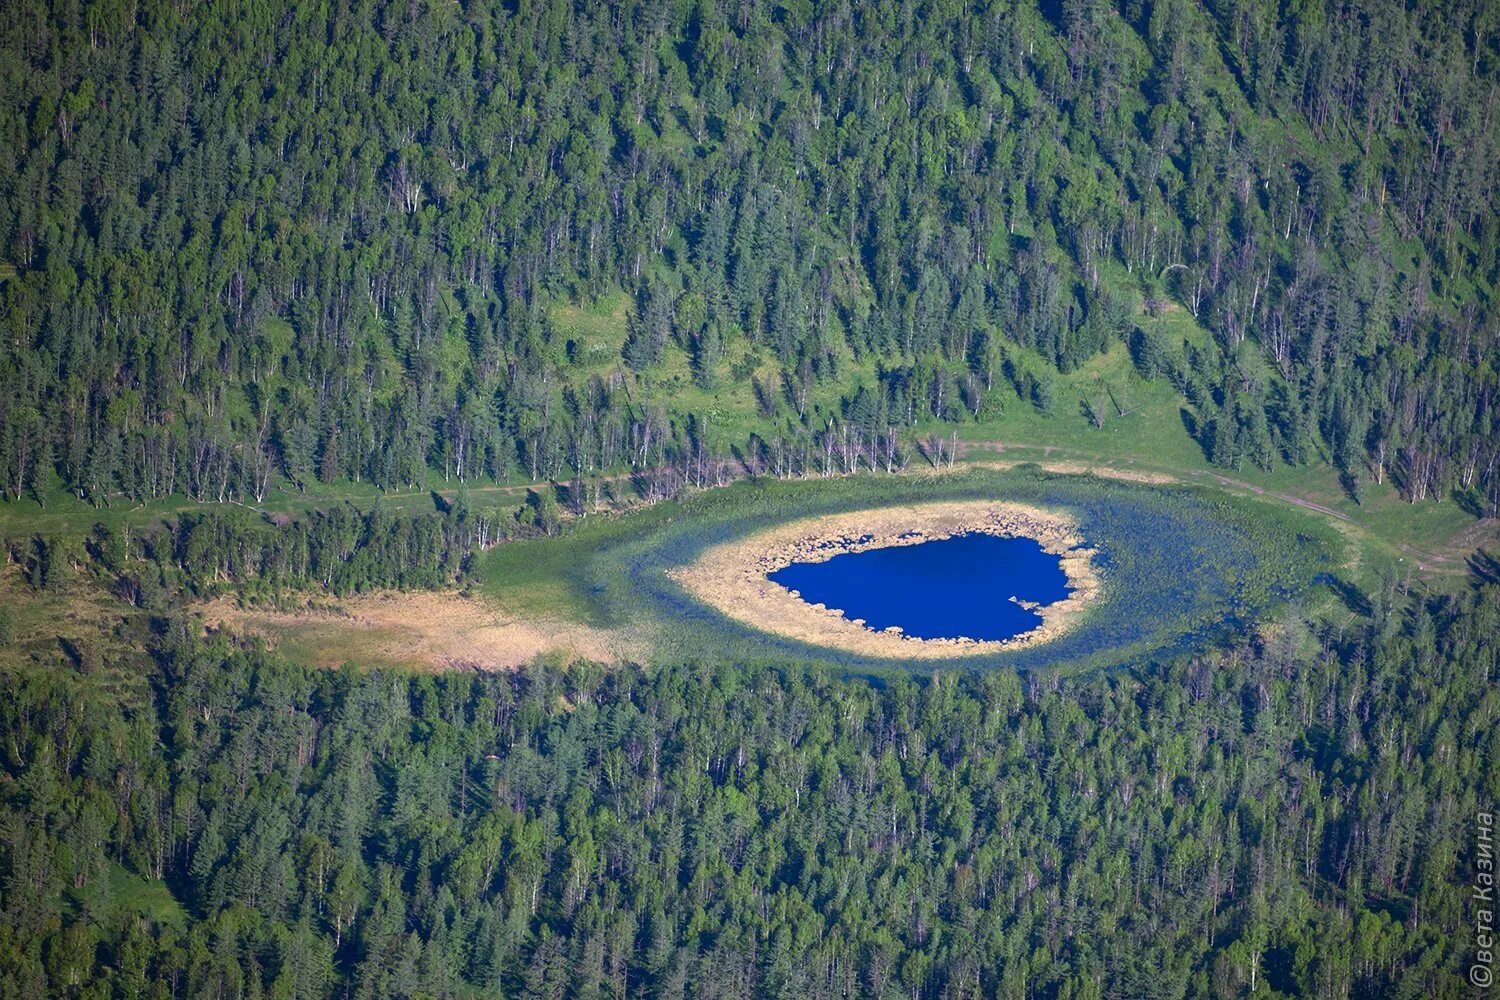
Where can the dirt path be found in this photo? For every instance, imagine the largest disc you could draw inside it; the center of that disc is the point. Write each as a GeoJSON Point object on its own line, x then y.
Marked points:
{"type": "Point", "coordinates": [1131, 472]}
{"type": "Point", "coordinates": [1450, 557]}
{"type": "Point", "coordinates": [1454, 555]}
{"type": "Point", "coordinates": [449, 631]}
{"type": "Point", "coordinates": [1290, 498]}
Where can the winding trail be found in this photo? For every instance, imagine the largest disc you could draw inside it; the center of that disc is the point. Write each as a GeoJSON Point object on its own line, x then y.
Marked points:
{"type": "Point", "coordinates": [1295, 501]}
{"type": "Point", "coordinates": [1450, 557]}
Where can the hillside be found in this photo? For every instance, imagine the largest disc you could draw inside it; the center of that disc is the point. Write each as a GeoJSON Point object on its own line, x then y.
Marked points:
{"type": "Point", "coordinates": [380, 243]}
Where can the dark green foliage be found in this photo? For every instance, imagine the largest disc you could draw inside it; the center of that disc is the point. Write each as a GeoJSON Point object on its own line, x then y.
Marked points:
{"type": "Point", "coordinates": [215, 279]}
{"type": "Point", "coordinates": [541, 511]}
{"type": "Point", "coordinates": [1295, 812]}
{"type": "Point", "coordinates": [251, 245]}
{"type": "Point", "coordinates": [1152, 355]}
{"type": "Point", "coordinates": [48, 567]}
{"type": "Point", "coordinates": [340, 550]}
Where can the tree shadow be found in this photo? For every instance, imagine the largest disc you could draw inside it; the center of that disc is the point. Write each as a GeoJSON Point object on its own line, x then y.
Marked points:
{"type": "Point", "coordinates": [1088, 412]}
{"type": "Point", "coordinates": [81, 655]}
{"type": "Point", "coordinates": [744, 457]}
{"type": "Point", "coordinates": [1350, 596]}
{"type": "Point", "coordinates": [570, 495]}
{"type": "Point", "coordinates": [927, 454]}
{"type": "Point", "coordinates": [1194, 428]}
{"type": "Point", "coordinates": [765, 398]}
{"type": "Point", "coordinates": [1485, 565]}
{"type": "Point", "coordinates": [1350, 485]}
{"type": "Point", "coordinates": [1470, 501]}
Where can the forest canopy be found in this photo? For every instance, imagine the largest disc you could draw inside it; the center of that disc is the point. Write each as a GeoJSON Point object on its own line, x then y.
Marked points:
{"type": "Point", "coordinates": [280, 280]}
{"type": "Point", "coordinates": [1294, 816]}
{"type": "Point", "coordinates": [292, 242]}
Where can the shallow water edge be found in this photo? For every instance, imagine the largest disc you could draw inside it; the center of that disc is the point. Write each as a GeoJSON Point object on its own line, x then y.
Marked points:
{"type": "Point", "coordinates": [734, 577]}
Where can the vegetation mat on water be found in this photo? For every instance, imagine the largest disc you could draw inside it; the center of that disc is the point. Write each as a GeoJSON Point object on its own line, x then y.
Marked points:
{"type": "Point", "coordinates": [1179, 564]}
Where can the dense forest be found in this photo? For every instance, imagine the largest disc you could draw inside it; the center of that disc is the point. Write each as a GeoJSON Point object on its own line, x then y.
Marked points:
{"type": "Point", "coordinates": [301, 256]}
{"type": "Point", "coordinates": [1290, 815]}
{"type": "Point", "coordinates": [255, 244]}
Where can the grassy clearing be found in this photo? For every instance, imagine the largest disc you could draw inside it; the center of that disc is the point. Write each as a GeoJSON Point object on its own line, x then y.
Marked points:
{"type": "Point", "coordinates": [597, 331]}
{"type": "Point", "coordinates": [566, 580]}
{"type": "Point", "coordinates": [539, 577]}
{"type": "Point", "coordinates": [116, 897]}
{"type": "Point", "coordinates": [1430, 540]}
{"type": "Point", "coordinates": [77, 625]}
{"type": "Point", "coordinates": [65, 515]}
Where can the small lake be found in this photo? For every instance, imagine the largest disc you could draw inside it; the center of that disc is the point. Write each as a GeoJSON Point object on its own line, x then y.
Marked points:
{"type": "Point", "coordinates": [943, 589]}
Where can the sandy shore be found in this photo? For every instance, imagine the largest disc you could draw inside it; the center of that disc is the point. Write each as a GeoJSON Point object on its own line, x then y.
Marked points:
{"type": "Point", "coordinates": [733, 577]}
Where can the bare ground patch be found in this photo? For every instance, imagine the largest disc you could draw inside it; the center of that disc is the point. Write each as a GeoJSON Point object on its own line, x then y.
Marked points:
{"type": "Point", "coordinates": [1069, 467]}
{"type": "Point", "coordinates": [430, 631]}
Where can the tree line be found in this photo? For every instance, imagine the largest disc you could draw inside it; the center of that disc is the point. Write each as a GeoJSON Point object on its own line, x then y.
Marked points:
{"type": "Point", "coordinates": [1290, 813]}
{"type": "Point", "coordinates": [242, 248]}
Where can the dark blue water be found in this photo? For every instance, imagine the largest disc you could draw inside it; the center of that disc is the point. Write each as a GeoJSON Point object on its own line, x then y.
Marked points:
{"type": "Point", "coordinates": [959, 586]}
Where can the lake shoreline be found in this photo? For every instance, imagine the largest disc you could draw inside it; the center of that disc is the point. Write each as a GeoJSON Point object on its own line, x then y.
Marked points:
{"type": "Point", "coordinates": [734, 577]}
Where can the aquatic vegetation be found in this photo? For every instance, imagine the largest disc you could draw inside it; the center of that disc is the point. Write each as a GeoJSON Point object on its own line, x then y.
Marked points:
{"type": "Point", "coordinates": [1182, 563]}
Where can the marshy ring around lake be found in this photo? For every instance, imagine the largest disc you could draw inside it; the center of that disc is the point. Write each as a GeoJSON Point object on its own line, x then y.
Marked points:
{"type": "Point", "coordinates": [922, 581]}
{"type": "Point", "coordinates": [1110, 572]}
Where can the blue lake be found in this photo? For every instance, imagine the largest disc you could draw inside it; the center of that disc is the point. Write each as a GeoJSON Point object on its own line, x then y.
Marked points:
{"type": "Point", "coordinates": [959, 586]}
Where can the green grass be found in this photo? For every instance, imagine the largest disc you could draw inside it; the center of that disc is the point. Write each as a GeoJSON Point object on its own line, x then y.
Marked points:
{"type": "Point", "coordinates": [78, 626]}
{"type": "Point", "coordinates": [1179, 562]}
{"type": "Point", "coordinates": [149, 898]}
{"type": "Point", "coordinates": [728, 406]}
{"type": "Point", "coordinates": [598, 330]}
{"type": "Point", "coordinates": [538, 577]}
{"type": "Point", "coordinates": [567, 578]}
{"type": "Point", "coordinates": [119, 896]}
{"type": "Point", "coordinates": [65, 514]}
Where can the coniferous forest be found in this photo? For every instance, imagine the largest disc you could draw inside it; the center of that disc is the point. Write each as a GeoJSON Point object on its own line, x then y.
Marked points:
{"type": "Point", "coordinates": [1256, 820]}
{"type": "Point", "coordinates": [304, 302]}
{"type": "Point", "coordinates": [320, 242]}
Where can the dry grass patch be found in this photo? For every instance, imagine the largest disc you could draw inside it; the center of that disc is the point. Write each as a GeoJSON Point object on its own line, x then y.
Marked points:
{"type": "Point", "coordinates": [1069, 468]}
{"type": "Point", "coordinates": [1109, 472]}
{"type": "Point", "coordinates": [429, 631]}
